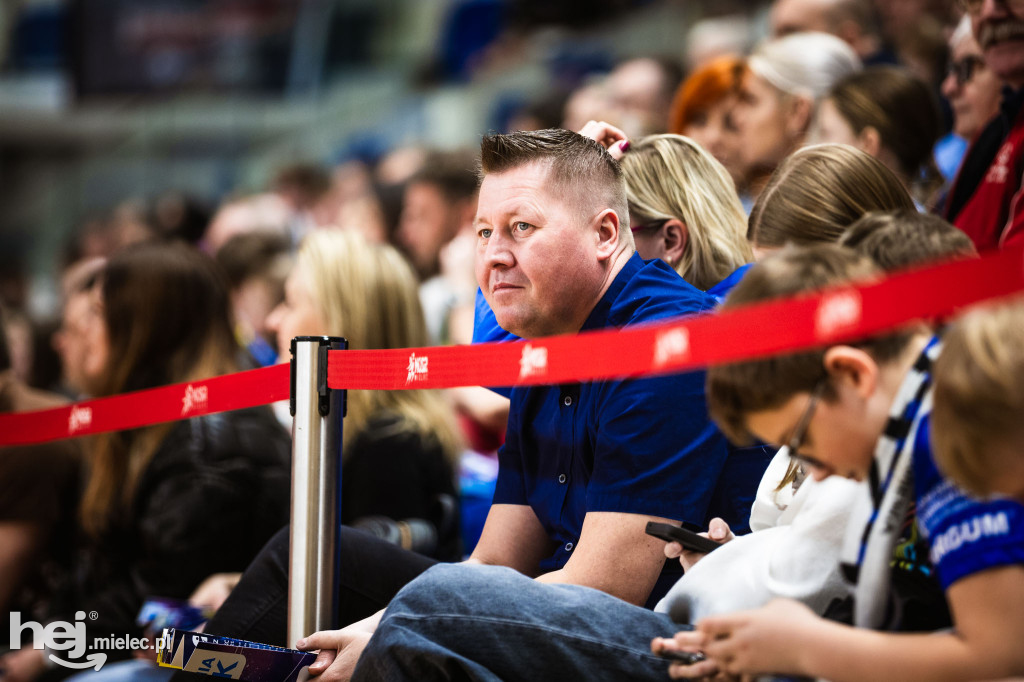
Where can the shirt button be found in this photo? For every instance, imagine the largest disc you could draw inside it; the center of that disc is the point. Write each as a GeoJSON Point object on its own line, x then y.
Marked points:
{"type": "Point", "coordinates": [568, 547]}
{"type": "Point", "coordinates": [567, 400]}
{"type": "Point", "coordinates": [561, 478]}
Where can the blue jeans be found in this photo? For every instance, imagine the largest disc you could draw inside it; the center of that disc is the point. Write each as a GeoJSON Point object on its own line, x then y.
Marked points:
{"type": "Point", "coordinates": [465, 622]}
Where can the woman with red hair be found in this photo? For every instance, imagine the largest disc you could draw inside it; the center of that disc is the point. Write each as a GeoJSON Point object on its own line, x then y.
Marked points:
{"type": "Point", "coordinates": [702, 106]}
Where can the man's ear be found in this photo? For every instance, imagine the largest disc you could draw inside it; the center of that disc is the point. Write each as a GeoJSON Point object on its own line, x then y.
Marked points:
{"type": "Point", "coordinates": [852, 367]}
{"type": "Point", "coordinates": [676, 236]}
{"type": "Point", "coordinates": [870, 141]}
{"type": "Point", "coordinates": [608, 226]}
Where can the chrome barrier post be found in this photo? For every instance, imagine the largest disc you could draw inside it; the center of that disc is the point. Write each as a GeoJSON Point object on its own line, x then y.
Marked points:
{"type": "Point", "coordinates": [317, 413]}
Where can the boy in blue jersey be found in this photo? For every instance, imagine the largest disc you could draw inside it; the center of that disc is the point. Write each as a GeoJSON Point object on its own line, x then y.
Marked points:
{"type": "Point", "coordinates": [862, 411]}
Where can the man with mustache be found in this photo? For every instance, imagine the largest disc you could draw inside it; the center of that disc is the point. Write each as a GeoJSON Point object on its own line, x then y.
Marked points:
{"type": "Point", "coordinates": [987, 200]}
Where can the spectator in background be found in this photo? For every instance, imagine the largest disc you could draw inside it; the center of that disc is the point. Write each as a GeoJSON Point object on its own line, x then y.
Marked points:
{"type": "Point", "coordinates": [439, 203]}
{"type": "Point", "coordinates": [306, 189]}
{"type": "Point", "coordinates": [256, 264]}
{"type": "Point", "coordinates": [893, 116]}
{"type": "Point", "coordinates": [79, 335]}
{"type": "Point", "coordinates": [258, 212]}
{"type": "Point", "coordinates": [985, 201]}
{"type": "Point", "coordinates": [38, 492]}
{"type": "Point", "coordinates": [817, 193]}
{"type": "Point", "coordinates": [785, 79]}
{"type": "Point", "coordinates": [399, 447]}
{"type": "Point", "coordinates": [853, 21]}
{"type": "Point", "coordinates": [639, 93]}
{"type": "Point", "coordinates": [702, 108]}
{"type": "Point", "coordinates": [972, 92]}
{"type": "Point", "coordinates": [971, 87]}
{"type": "Point", "coordinates": [901, 239]}
{"type": "Point", "coordinates": [167, 505]}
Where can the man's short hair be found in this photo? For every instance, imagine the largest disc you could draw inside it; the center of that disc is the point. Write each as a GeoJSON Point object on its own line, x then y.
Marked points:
{"type": "Point", "coordinates": [979, 394]}
{"type": "Point", "coordinates": [453, 173]}
{"type": "Point", "coordinates": [900, 239]}
{"type": "Point", "coordinates": [576, 163]}
{"type": "Point", "coordinates": [736, 390]}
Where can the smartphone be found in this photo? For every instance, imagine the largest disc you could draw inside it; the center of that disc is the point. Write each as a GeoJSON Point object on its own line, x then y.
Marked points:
{"type": "Point", "coordinates": [687, 538]}
{"type": "Point", "coordinates": [685, 657]}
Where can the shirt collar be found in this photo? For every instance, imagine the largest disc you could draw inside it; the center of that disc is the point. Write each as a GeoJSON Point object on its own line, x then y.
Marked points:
{"type": "Point", "coordinates": [599, 317]}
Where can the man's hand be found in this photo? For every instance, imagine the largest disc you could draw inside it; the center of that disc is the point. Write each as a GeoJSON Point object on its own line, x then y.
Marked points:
{"type": "Point", "coordinates": [718, 530]}
{"type": "Point", "coordinates": [339, 651]}
{"type": "Point", "coordinates": [608, 136]}
{"type": "Point", "coordinates": [22, 665]}
{"type": "Point", "coordinates": [765, 640]}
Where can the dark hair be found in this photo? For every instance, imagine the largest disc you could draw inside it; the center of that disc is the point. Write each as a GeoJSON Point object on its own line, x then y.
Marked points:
{"type": "Point", "coordinates": [900, 106]}
{"type": "Point", "coordinates": [250, 254]}
{"type": "Point", "coordinates": [168, 319]}
{"type": "Point", "coordinates": [575, 162]}
{"type": "Point", "coordinates": [900, 239]}
{"type": "Point", "coordinates": [736, 390]}
{"type": "Point", "coordinates": [453, 173]}
{"type": "Point", "coordinates": [167, 315]}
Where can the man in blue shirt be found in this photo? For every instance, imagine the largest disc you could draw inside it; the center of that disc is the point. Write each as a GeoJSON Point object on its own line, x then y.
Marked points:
{"type": "Point", "coordinates": [584, 466]}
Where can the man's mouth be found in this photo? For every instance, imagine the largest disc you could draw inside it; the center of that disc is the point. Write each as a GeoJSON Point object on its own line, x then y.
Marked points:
{"type": "Point", "coordinates": [993, 34]}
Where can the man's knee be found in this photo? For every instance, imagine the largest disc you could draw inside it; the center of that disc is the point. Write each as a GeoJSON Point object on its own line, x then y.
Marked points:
{"type": "Point", "coordinates": [449, 588]}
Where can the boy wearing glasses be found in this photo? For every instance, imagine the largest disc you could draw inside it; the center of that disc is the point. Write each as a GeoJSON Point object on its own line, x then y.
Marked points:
{"type": "Point", "coordinates": [862, 411]}
{"type": "Point", "coordinates": [986, 199]}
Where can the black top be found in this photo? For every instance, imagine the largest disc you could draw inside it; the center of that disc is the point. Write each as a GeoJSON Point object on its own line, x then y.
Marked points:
{"type": "Point", "coordinates": [390, 470]}
{"type": "Point", "coordinates": [214, 492]}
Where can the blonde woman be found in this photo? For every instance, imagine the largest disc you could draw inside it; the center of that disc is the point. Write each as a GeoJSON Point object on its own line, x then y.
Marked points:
{"type": "Point", "coordinates": [683, 208]}
{"type": "Point", "coordinates": [399, 447]}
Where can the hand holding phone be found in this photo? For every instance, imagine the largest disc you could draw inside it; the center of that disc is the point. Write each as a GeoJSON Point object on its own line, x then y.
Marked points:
{"type": "Point", "coordinates": [690, 541]}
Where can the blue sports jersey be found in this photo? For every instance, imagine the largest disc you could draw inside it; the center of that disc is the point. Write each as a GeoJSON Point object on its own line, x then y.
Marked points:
{"type": "Point", "coordinates": [965, 535]}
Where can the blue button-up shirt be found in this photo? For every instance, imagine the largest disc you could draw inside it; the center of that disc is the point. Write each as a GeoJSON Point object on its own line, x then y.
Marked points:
{"type": "Point", "coordinates": [639, 446]}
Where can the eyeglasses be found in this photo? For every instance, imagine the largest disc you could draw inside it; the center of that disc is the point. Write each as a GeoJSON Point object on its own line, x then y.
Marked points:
{"type": "Point", "coordinates": [796, 440]}
{"type": "Point", "coordinates": [963, 70]}
{"type": "Point", "coordinates": [973, 7]}
{"type": "Point", "coordinates": [653, 227]}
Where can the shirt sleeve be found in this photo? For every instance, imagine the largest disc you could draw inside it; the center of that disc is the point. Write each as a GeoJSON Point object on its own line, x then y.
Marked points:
{"type": "Point", "coordinates": [965, 535]}
{"type": "Point", "coordinates": [656, 451]}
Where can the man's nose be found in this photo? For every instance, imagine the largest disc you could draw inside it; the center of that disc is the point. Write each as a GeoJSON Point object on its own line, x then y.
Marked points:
{"type": "Point", "coordinates": [498, 252]}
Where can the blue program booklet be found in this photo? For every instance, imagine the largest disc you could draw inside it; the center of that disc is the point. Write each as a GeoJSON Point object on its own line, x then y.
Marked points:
{"type": "Point", "coordinates": [235, 659]}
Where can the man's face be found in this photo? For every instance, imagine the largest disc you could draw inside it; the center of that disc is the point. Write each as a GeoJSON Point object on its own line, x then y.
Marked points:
{"type": "Point", "coordinates": [796, 16]}
{"type": "Point", "coordinates": [839, 439]}
{"type": "Point", "coordinates": [536, 259]}
{"type": "Point", "coordinates": [428, 222]}
{"type": "Point", "coordinates": [999, 29]}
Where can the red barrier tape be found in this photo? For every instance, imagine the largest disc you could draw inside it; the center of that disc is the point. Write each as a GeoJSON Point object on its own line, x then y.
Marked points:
{"type": "Point", "coordinates": [153, 406]}
{"type": "Point", "coordinates": [761, 330]}
{"type": "Point", "coordinates": [755, 331]}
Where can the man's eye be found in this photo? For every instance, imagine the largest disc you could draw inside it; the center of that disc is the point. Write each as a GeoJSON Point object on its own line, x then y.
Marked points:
{"type": "Point", "coordinates": [484, 233]}
{"type": "Point", "coordinates": [521, 226]}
